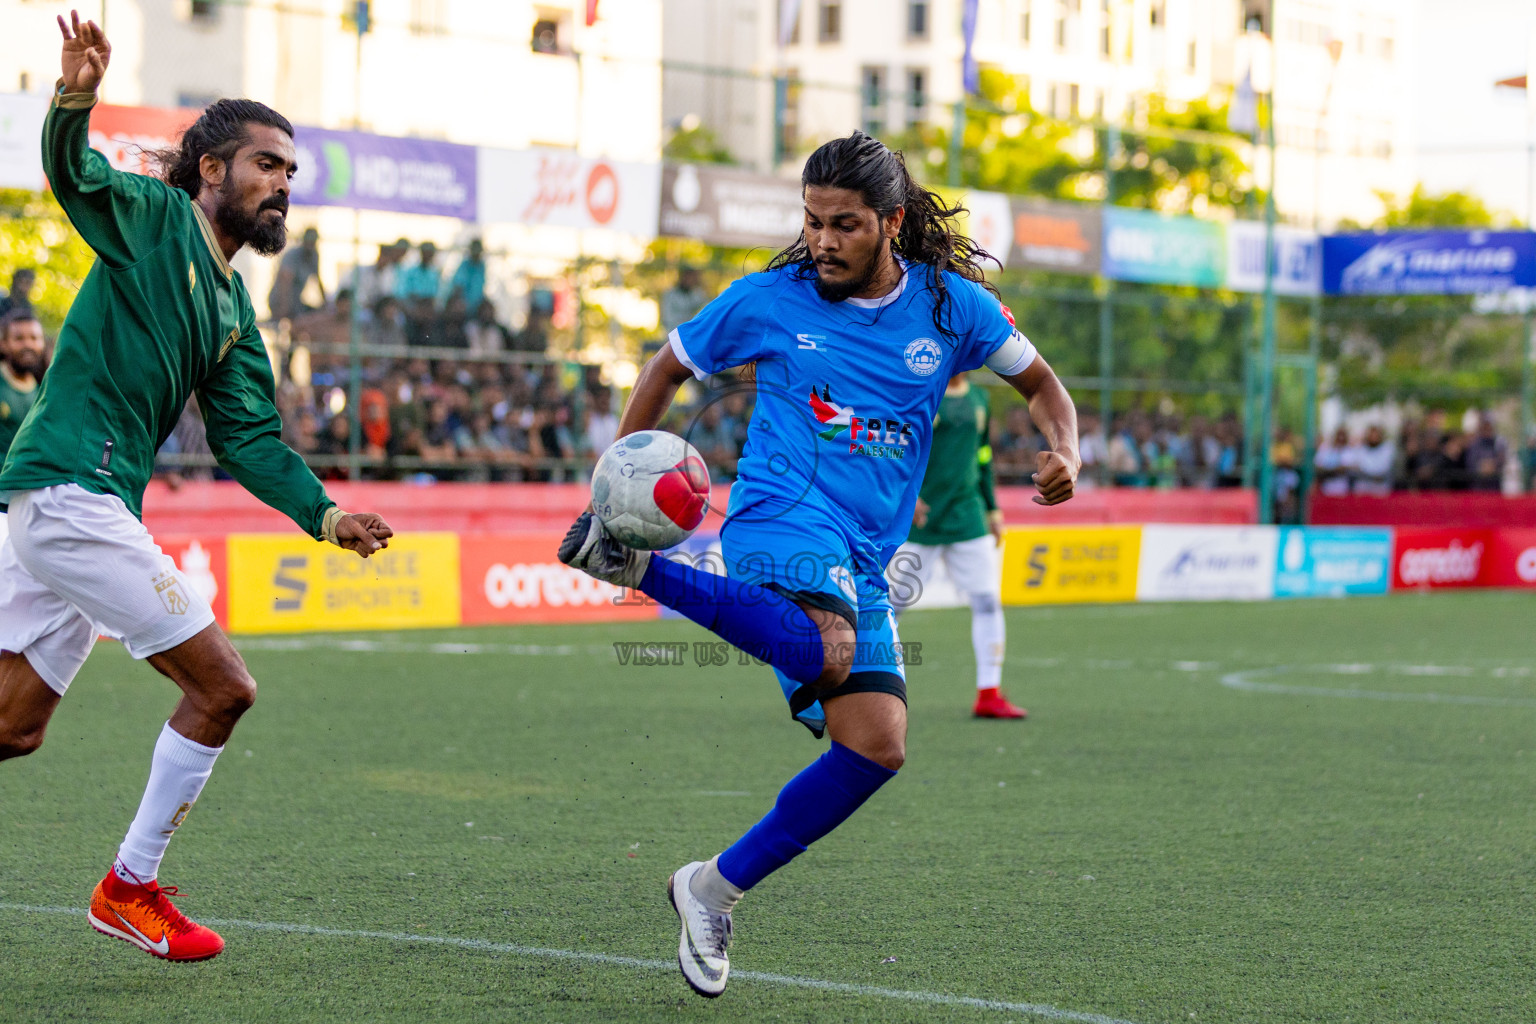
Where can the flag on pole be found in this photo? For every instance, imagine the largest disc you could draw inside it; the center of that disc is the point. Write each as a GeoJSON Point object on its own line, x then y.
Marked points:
{"type": "Point", "coordinates": [591, 13]}
{"type": "Point", "coordinates": [1243, 114]}
{"type": "Point", "coordinates": [789, 16]}
{"type": "Point", "coordinates": [971, 74]}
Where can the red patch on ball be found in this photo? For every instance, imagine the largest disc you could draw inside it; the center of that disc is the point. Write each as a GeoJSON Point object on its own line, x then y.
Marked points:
{"type": "Point", "coordinates": [682, 493]}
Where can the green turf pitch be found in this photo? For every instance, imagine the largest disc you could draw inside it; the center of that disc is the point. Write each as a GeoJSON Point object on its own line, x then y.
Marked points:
{"type": "Point", "coordinates": [1301, 811]}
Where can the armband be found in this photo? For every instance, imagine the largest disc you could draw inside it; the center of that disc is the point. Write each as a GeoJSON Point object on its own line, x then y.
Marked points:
{"type": "Point", "coordinates": [1012, 356]}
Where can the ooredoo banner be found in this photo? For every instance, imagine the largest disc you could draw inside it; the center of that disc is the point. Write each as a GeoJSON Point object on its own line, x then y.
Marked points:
{"type": "Point", "coordinates": [287, 583]}
{"type": "Point", "coordinates": [1070, 564]}
{"type": "Point", "coordinates": [1207, 563]}
{"type": "Point", "coordinates": [515, 577]}
{"type": "Point", "coordinates": [1431, 559]}
{"type": "Point", "coordinates": [1511, 559]}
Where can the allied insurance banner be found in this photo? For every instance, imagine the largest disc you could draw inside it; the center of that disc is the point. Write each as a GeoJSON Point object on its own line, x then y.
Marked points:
{"type": "Point", "coordinates": [1429, 262]}
{"type": "Point", "coordinates": [1140, 245]}
{"type": "Point", "coordinates": [1207, 563]}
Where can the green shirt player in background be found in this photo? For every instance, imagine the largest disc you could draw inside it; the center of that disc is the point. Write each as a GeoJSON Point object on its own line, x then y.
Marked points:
{"type": "Point", "coordinates": [958, 522]}
{"type": "Point", "coordinates": [160, 315]}
{"type": "Point", "coordinates": [22, 358]}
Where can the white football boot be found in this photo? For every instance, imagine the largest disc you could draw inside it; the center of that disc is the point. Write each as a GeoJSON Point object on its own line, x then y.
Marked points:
{"type": "Point", "coordinates": [590, 548]}
{"type": "Point", "coordinates": [701, 947]}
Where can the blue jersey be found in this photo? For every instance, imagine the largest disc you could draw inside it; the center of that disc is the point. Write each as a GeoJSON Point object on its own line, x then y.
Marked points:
{"type": "Point", "coordinates": [846, 391]}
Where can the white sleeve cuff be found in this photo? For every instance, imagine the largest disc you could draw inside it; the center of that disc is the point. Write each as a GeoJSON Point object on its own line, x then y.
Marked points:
{"type": "Point", "coordinates": [675, 340]}
{"type": "Point", "coordinates": [1012, 356]}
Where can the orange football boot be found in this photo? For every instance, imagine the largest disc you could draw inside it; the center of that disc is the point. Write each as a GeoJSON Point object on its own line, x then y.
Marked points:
{"type": "Point", "coordinates": [993, 704]}
{"type": "Point", "coordinates": [144, 916]}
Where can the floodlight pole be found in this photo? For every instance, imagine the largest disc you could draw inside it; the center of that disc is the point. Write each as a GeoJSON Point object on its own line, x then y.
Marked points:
{"type": "Point", "coordinates": [1267, 360]}
{"type": "Point", "coordinates": [1107, 310]}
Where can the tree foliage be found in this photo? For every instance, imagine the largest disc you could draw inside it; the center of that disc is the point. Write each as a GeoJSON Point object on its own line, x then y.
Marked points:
{"type": "Point", "coordinates": [34, 232]}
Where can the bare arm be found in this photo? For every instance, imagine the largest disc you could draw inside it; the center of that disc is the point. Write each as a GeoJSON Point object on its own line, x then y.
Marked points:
{"type": "Point", "coordinates": [654, 390]}
{"type": "Point", "coordinates": [1054, 414]}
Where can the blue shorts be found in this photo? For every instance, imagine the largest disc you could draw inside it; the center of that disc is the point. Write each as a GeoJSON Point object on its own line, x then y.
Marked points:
{"type": "Point", "coordinates": [806, 555]}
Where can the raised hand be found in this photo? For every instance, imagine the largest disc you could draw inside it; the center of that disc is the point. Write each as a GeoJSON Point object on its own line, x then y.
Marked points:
{"type": "Point", "coordinates": [1054, 477]}
{"type": "Point", "coordinates": [86, 54]}
{"type": "Point", "coordinates": [363, 533]}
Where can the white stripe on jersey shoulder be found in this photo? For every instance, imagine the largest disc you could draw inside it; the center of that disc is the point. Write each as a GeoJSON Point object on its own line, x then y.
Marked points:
{"type": "Point", "coordinates": [1012, 356]}
{"type": "Point", "coordinates": [675, 341]}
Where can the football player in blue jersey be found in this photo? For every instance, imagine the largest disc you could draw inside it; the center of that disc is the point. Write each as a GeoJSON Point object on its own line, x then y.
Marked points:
{"type": "Point", "coordinates": [853, 331]}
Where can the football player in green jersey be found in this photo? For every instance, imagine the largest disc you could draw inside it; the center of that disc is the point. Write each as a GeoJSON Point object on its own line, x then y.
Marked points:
{"type": "Point", "coordinates": [959, 524]}
{"type": "Point", "coordinates": [161, 315]}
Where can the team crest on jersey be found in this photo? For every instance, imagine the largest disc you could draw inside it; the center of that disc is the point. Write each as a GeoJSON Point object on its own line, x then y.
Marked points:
{"type": "Point", "coordinates": [923, 356]}
{"type": "Point", "coordinates": [172, 595]}
{"type": "Point", "coordinates": [843, 580]}
{"type": "Point", "coordinates": [876, 437]}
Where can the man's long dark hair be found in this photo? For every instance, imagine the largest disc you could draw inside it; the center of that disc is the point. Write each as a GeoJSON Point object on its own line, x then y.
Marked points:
{"type": "Point", "coordinates": [928, 235]}
{"type": "Point", "coordinates": [221, 130]}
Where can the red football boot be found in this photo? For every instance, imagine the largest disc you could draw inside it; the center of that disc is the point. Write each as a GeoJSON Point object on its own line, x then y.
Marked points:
{"type": "Point", "coordinates": [992, 704]}
{"type": "Point", "coordinates": [144, 916]}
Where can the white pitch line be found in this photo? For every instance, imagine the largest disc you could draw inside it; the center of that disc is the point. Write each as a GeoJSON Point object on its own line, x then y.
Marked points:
{"type": "Point", "coordinates": [1038, 1010]}
{"type": "Point", "coordinates": [1244, 680]}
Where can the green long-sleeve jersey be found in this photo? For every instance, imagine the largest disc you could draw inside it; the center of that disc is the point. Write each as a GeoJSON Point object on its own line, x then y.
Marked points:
{"type": "Point", "coordinates": [160, 315]}
{"type": "Point", "coordinates": [16, 401]}
{"type": "Point", "coordinates": [957, 486]}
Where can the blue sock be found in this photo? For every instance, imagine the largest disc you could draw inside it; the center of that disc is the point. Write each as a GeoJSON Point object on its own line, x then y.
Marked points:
{"type": "Point", "coordinates": [762, 622]}
{"type": "Point", "coordinates": [813, 803]}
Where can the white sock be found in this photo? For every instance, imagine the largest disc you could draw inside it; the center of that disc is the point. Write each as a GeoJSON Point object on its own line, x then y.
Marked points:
{"type": "Point", "coordinates": [988, 638]}
{"type": "Point", "coordinates": [176, 776]}
{"type": "Point", "coordinates": [712, 889]}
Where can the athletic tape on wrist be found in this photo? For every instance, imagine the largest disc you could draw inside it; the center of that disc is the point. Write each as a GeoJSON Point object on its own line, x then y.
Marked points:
{"type": "Point", "coordinates": [333, 515]}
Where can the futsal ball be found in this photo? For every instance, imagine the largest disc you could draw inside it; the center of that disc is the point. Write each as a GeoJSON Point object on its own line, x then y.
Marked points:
{"type": "Point", "coordinates": [650, 489]}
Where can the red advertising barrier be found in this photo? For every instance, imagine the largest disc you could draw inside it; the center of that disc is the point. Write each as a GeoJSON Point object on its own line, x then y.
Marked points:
{"type": "Point", "coordinates": [226, 507]}
{"type": "Point", "coordinates": [204, 559]}
{"type": "Point", "coordinates": [1434, 559]}
{"type": "Point", "coordinates": [1425, 508]}
{"type": "Point", "coordinates": [1511, 559]}
{"type": "Point", "coordinates": [516, 578]}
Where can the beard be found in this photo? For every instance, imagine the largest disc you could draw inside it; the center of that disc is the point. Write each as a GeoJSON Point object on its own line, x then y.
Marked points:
{"type": "Point", "coordinates": [25, 363]}
{"type": "Point", "coordinates": [837, 291]}
{"type": "Point", "coordinates": [265, 236]}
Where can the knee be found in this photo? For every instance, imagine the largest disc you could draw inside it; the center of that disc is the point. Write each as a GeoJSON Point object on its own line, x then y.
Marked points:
{"type": "Point", "coordinates": [888, 752]}
{"type": "Point", "coordinates": [986, 604]}
{"type": "Point", "coordinates": [236, 696]}
{"type": "Point", "coordinates": [16, 743]}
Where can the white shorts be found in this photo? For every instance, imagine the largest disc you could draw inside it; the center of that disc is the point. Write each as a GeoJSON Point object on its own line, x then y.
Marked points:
{"type": "Point", "coordinates": [77, 565]}
{"type": "Point", "coordinates": [971, 565]}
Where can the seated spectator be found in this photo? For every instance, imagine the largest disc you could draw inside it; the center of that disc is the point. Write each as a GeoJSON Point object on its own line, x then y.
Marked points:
{"type": "Point", "coordinates": [1373, 463]}
{"type": "Point", "coordinates": [1229, 463]}
{"type": "Point", "coordinates": [601, 423]}
{"type": "Point", "coordinates": [468, 281]}
{"type": "Point", "coordinates": [1485, 458]}
{"type": "Point", "coordinates": [1199, 455]}
{"type": "Point", "coordinates": [335, 445]}
{"type": "Point", "coordinates": [1285, 455]}
{"type": "Point", "coordinates": [452, 324]}
{"type": "Point", "coordinates": [299, 265]}
{"type": "Point", "coordinates": [437, 439]}
{"type": "Point", "coordinates": [712, 436]}
{"type": "Point", "coordinates": [484, 333]}
{"type": "Point", "coordinates": [20, 295]}
{"type": "Point", "coordinates": [389, 324]}
{"type": "Point", "coordinates": [1333, 463]}
{"type": "Point", "coordinates": [1450, 473]}
{"type": "Point", "coordinates": [331, 328]}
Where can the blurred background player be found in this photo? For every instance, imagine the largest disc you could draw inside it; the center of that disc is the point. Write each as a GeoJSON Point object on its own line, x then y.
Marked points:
{"type": "Point", "coordinates": [957, 522]}
{"type": "Point", "coordinates": [160, 314]}
{"type": "Point", "coordinates": [22, 358]}
{"type": "Point", "coordinates": [853, 332]}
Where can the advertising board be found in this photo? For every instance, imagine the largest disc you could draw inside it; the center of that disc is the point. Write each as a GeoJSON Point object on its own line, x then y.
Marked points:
{"type": "Point", "coordinates": [722, 206]}
{"type": "Point", "coordinates": [1429, 262]}
{"type": "Point", "coordinates": [1070, 564]}
{"type": "Point", "coordinates": [1140, 245]}
{"type": "Point", "coordinates": [1298, 259]}
{"type": "Point", "coordinates": [287, 583]}
{"type": "Point", "coordinates": [204, 561]}
{"type": "Point", "coordinates": [1332, 562]}
{"type": "Point", "coordinates": [560, 188]}
{"type": "Point", "coordinates": [1511, 559]}
{"type": "Point", "coordinates": [1207, 563]}
{"type": "Point", "coordinates": [515, 577]}
{"type": "Point", "coordinates": [1431, 559]}
{"type": "Point", "coordinates": [1065, 237]}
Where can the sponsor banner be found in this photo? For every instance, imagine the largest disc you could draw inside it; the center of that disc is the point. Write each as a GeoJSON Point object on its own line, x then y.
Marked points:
{"type": "Point", "coordinates": [204, 560]}
{"type": "Point", "coordinates": [515, 577]}
{"type": "Point", "coordinates": [21, 125]}
{"type": "Point", "coordinates": [721, 206]}
{"type": "Point", "coordinates": [1063, 237]}
{"type": "Point", "coordinates": [987, 219]}
{"type": "Point", "coordinates": [1070, 564]}
{"type": "Point", "coordinates": [1298, 259]}
{"type": "Point", "coordinates": [1426, 559]}
{"type": "Point", "coordinates": [1511, 559]}
{"type": "Point", "coordinates": [559, 188]}
{"type": "Point", "coordinates": [1322, 562]}
{"type": "Point", "coordinates": [1207, 563]}
{"type": "Point", "coordinates": [285, 583]}
{"type": "Point", "coordinates": [1429, 262]}
{"type": "Point", "coordinates": [379, 172]}
{"type": "Point", "coordinates": [1140, 245]}
{"type": "Point", "coordinates": [128, 136]}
